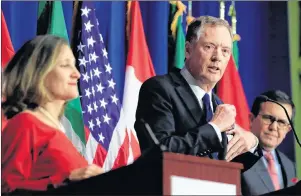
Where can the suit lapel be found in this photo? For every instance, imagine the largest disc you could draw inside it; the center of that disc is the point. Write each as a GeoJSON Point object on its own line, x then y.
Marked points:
{"type": "Point", "coordinates": [192, 105]}
{"type": "Point", "coordinates": [187, 96]}
{"type": "Point", "coordinates": [264, 175]}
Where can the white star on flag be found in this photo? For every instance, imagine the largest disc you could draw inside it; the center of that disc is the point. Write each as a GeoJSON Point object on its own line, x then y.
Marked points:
{"type": "Point", "coordinates": [80, 47]}
{"type": "Point", "coordinates": [108, 68]}
{"type": "Point", "coordinates": [83, 61]}
{"type": "Point", "coordinates": [101, 39]}
{"type": "Point", "coordinates": [103, 103]}
{"type": "Point", "coordinates": [105, 53]}
{"type": "Point", "coordinates": [93, 57]}
{"type": "Point", "coordinates": [88, 94]}
{"type": "Point", "coordinates": [101, 137]}
{"type": "Point", "coordinates": [98, 122]}
{"type": "Point", "coordinates": [99, 87]}
{"type": "Point", "coordinates": [114, 99]}
{"type": "Point", "coordinates": [90, 109]}
{"type": "Point", "coordinates": [91, 41]}
{"type": "Point", "coordinates": [95, 106]}
{"type": "Point", "coordinates": [91, 124]}
{"type": "Point", "coordinates": [111, 83]}
{"type": "Point", "coordinates": [96, 72]}
{"type": "Point", "coordinates": [85, 11]}
{"type": "Point", "coordinates": [106, 118]}
{"type": "Point", "coordinates": [93, 91]}
{"type": "Point", "coordinates": [86, 77]}
{"type": "Point", "coordinates": [88, 26]}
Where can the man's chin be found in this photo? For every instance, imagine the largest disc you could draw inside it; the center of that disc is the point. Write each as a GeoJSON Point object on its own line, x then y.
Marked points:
{"type": "Point", "coordinates": [214, 78]}
{"type": "Point", "coordinates": [267, 145]}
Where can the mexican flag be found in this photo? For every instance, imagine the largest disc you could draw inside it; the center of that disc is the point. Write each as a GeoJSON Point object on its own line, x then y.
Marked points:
{"type": "Point", "coordinates": [51, 21]}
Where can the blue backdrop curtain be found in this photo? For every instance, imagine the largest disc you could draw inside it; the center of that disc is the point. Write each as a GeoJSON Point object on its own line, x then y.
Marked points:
{"type": "Point", "coordinates": [263, 62]}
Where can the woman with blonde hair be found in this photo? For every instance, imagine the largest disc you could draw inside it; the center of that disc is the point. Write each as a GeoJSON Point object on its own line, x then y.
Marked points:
{"type": "Point", "coordinates": [36, 154]}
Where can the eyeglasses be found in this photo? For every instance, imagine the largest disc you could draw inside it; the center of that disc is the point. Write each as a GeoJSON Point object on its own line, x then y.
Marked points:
{"type": "Point", "coordinates": [268, 119]}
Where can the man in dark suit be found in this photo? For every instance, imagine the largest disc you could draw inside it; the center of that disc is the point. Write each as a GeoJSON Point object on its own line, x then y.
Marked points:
{"type": "Point", "coordinates": [179, 106]}
{"type": "Point", "coordinates": [274, 170]}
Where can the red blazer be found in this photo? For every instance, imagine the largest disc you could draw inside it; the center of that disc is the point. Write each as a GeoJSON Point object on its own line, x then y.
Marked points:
{"type": "Point", "coordinates": [35, 155]}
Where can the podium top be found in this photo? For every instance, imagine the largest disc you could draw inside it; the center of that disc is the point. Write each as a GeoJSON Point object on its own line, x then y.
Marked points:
{"type": "Point", "coordinates": [200, 160]}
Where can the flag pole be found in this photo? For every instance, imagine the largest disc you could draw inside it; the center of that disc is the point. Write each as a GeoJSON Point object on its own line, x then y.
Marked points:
{"type": "Point", "coordinates": [189, 8]}
{"type": "Point", "coordinates": [232, 13]}
{"type": "Point", "coordinates": [222, 9]}
{"type": "Point", "coordinates": [189, 17]}
{"type": "Point", "coordinates": [74, 19]}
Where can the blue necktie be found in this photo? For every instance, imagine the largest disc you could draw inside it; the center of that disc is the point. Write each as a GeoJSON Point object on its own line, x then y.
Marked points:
{"type": "Point", "coordinates": [207, 107]}
{"type": "Point", "coordinates": [209, 114]}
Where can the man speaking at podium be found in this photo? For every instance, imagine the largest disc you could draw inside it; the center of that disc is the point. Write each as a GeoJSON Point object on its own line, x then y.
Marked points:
{"type": "Point", "coordinates": [181, 108]}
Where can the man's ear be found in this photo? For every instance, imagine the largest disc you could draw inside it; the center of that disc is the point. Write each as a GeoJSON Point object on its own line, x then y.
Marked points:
{"type": "Point", "coordinates": [188, 49]}
{"type": "Point", "coordinates": [251, 119]}
{"type": "Point", "coordinates": [289, 128]}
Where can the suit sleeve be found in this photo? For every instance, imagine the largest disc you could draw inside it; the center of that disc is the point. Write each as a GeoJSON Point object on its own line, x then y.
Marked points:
{"type": "Point", "coordinates": [155, 107]}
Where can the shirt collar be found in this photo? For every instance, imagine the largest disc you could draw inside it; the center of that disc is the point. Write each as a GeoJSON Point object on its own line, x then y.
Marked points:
{"type": "Point", "coordinates": [198, 91]}
{"type": "Point", "coordinates": [273, 152]}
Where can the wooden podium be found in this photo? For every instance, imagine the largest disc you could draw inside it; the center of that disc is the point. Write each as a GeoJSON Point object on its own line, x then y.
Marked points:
{"type": "Point", "coordinates": [199, 168]}
{"type": "Point", "coordinates": [152, 174]}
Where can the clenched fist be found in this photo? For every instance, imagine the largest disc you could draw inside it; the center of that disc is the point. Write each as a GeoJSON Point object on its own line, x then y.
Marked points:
{"type": "Point", "coordinates": [224, 117]}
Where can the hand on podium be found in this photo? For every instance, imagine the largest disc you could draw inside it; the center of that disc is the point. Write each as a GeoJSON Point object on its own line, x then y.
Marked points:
{"type": "Point", "coordinates": [85, 172]}
{"type": "Point", "coordinates": [243, 141]}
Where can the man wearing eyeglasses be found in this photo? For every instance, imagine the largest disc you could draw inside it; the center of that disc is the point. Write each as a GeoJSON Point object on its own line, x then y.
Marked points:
{"type": "Point", "coordinates": [274, 170]}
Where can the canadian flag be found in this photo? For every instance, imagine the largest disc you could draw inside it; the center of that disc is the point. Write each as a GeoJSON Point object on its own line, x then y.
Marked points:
{"type": "Point", "coordinates": [7, 49]}
{"type": "Point", "coordinates": [139, 68]}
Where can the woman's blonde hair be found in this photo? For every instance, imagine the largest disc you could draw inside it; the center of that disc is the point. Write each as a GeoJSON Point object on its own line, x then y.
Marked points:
{"type": "Point", "coordinates": [23, 78]}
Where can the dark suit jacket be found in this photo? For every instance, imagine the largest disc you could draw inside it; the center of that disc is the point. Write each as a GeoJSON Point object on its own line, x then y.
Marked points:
{"type": "Point", "coordinates": [170, 107]}
{"type": "Point", "coordinates": [256, 180]}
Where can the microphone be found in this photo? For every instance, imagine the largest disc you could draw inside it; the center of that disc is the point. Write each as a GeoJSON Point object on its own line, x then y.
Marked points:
{"type": "Point", "coordinates": [152, 137]}
{"type": "Point", "coordinates": [265, 98]}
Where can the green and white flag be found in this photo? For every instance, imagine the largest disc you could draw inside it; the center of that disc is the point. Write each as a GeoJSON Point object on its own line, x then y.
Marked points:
{"type": "Point", "coordinates": [51, 21]}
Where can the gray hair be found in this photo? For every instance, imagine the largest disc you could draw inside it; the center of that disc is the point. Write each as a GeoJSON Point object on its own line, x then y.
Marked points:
{"type": "Point", "coordinates": [196, 28]}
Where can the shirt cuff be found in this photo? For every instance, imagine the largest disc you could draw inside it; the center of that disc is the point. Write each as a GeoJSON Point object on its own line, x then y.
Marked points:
{"type": "Point", "coordinates": [252, 150]}
{"type": "Point", "coordinates": [217, 131]}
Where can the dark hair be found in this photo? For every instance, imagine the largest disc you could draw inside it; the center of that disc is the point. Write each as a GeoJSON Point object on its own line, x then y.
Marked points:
{"type": "Point", "coordinates": [196, 26]}
{"type": "Point", "coordinates": [276, 95]}
{"type": "Point", "coordinates": [23, 78]}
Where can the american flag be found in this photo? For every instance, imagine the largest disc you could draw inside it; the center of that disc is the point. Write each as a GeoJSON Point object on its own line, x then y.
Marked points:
{"type": "Point", "coordinates": [101, 105]}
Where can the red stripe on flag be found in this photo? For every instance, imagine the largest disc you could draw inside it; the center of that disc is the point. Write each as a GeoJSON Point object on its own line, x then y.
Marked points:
{"type": "Point", "coordinates": [123, 153]}
{"type": "Point", "coordinates": [135, 146]}
{"type": "Point", "coordinates": [100, 156]}
{"type": "Point", "coordinates": [7, 49]}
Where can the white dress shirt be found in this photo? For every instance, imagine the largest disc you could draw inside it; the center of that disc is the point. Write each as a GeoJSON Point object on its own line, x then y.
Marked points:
{"type": "Point", "coordinates": [199, 93]}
